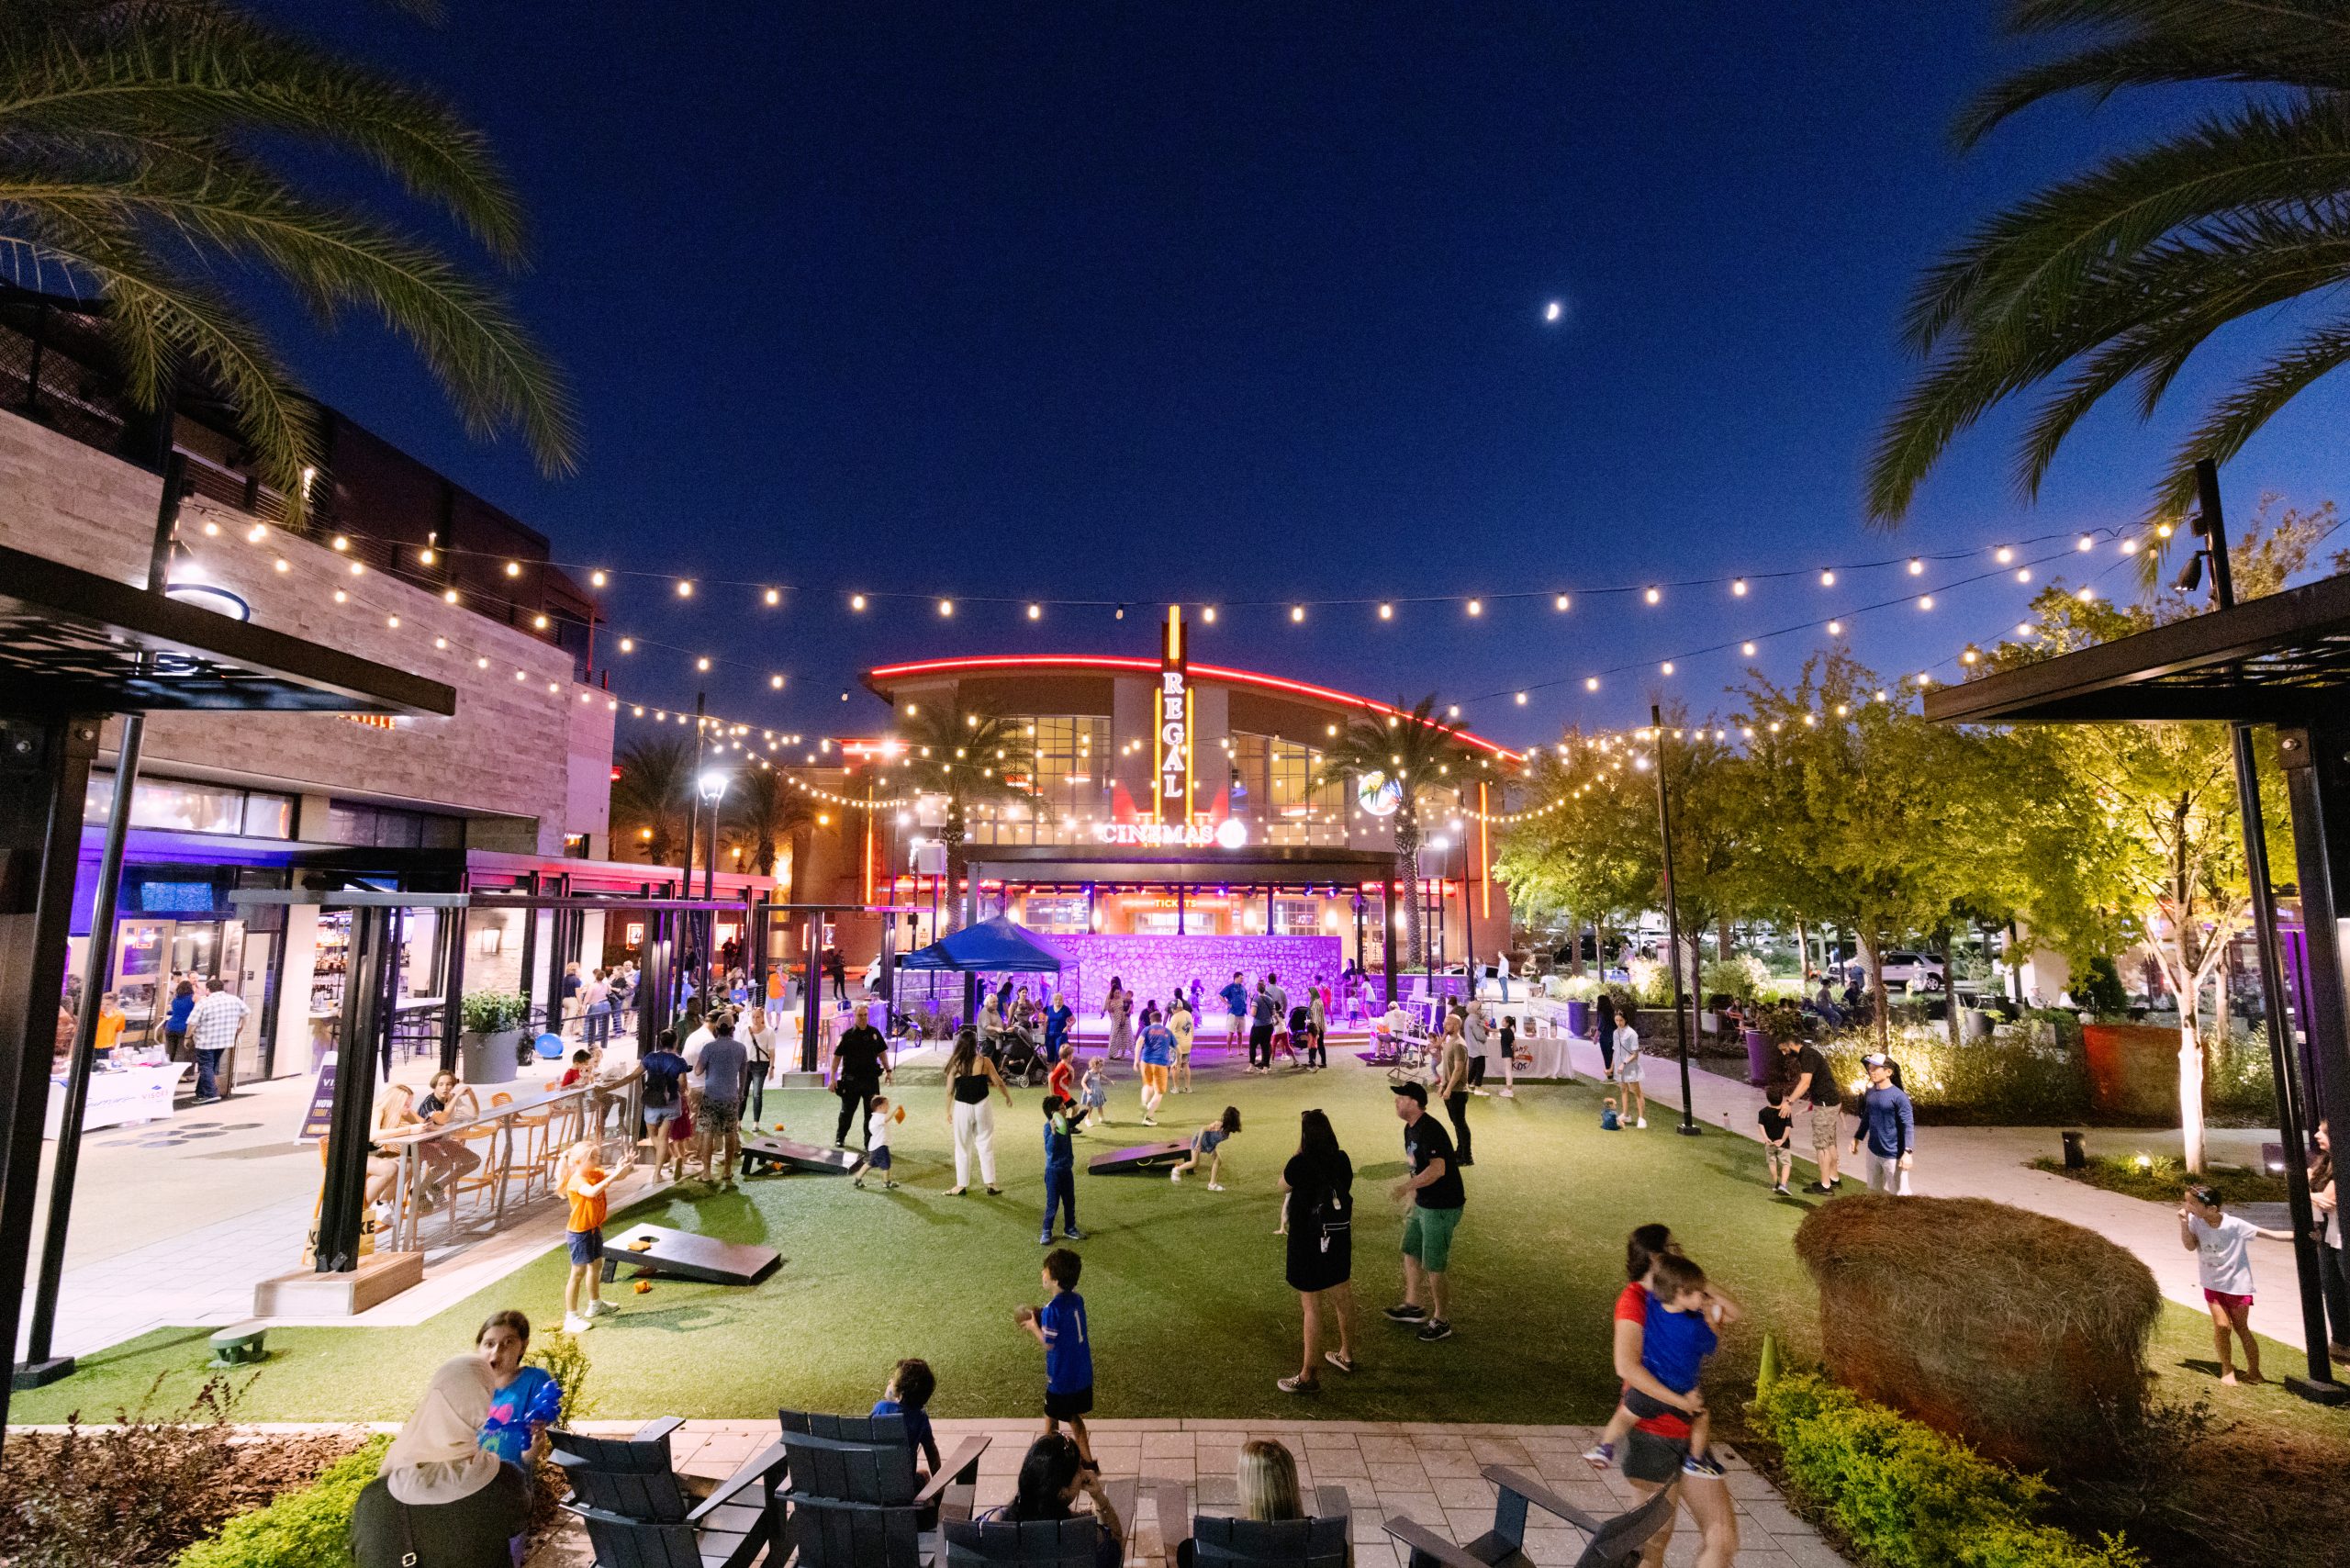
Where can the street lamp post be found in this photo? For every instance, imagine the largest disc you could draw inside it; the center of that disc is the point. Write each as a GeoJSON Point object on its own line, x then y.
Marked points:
{"type": "Point", "coordinates": [1688, 1126]}
{"type": "Point", "coordinates": [711, 787]}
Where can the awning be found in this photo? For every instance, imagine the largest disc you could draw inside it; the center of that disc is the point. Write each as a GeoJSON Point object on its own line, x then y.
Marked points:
{"type": "Point", "coordinates": [992, 947]}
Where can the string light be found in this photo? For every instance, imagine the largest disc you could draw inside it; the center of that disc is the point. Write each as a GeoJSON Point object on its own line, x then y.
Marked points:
{"type": "Point", "coordinates": [1560, 603]}
{"type": "Point", "coordinates": [595, 579]}
{"type": "Point", "coordinates": [1827, 579]}
{"type": "Point", "coordinates": [1738, 587]}
{"type": "Point", "coordinates": [1476, 607]}
{"type": "Point", "coordinates": [1654, 596]}
{"type": "Point", "coordinates": [856, 601]}
{"type": "Point", "coordinates": [685, 588]}
{"type": "Point", "coordinates": [1386, 613]}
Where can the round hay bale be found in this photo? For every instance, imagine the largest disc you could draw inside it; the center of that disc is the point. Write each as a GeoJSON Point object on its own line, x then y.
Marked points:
{"type": "Point", "coordinates": [2023, 1335]}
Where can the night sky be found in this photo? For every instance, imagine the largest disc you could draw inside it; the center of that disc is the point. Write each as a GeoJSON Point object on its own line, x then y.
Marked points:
{"type": "Point", "coordinates": [1232, 303]}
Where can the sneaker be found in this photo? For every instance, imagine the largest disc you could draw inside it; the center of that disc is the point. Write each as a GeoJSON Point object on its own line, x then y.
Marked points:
{"type": "Point", "coordinates": [858, 1182]}
{"type": "Point", "coordinates": [1509, 1094]}
{"type": "Point", "coordinates": [1817, 1187]}
{"type": "Point", "coordinates": [1175, 1173]}
{"type": "Point", "coordinates": [1298, 1386]}
{"type": "Point", "coordinates": [1344, 1363]}
{"type": "Point", "coordinates": [1600, 1456]}
{"type": "Point", "coordinates": [1150, 1121]}
{"type": "Point", "coordinates": [1701, 1464]}
{"type": "Point", "coordinates": [1072, 1234]}
{"type": "Point", "coordinates": [1641, 1122]}
{"type": "Point", "coordinates": [1216, 1186]}
{"type": "Point", "coordinates": [1436, 1328]}
{"type": "Point", "coordinates": [995, 1192]}
{"type": "Point", "coordinates": [599, 1307]}
{"type": "Point", "coordinates": [1046, 1239]}
{"type": "Point", "coordinates": [1404, 1312]}
{"type": "Point", "coordinates": [575, 1324]}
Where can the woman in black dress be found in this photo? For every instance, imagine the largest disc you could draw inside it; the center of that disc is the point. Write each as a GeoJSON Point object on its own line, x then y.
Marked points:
{"type": "Point", "coordinates": [1318, 1216]}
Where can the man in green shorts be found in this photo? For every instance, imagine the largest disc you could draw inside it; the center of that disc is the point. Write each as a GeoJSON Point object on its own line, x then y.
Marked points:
{"type": "Point", "coordinates": [1436, 1198]}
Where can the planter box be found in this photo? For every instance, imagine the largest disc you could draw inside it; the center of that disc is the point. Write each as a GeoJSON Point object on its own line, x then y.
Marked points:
{"type": "Point", "coordinates": [1578, 1016]}
{"type": "Point", "coordinates": [2133, 1069]}
{"type": "Point", "coordinates": [487, 1059]}
{"type": "Point", "coordinates": [1760, 1053]}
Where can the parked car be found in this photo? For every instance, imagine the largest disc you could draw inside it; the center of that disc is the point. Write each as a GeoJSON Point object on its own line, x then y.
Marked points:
{"type": "Point", "coordinates": [1903, 972]}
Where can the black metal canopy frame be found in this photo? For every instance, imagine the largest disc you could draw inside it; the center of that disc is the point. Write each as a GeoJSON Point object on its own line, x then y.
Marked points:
{"type": "Point", "coordinates": [2284, 661]}
{"type": "Point", "coordinates": [75, 647]}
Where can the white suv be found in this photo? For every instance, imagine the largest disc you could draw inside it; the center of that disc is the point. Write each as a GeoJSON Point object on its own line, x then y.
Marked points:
{"type": "Point", "coordinates": [1903, 972]}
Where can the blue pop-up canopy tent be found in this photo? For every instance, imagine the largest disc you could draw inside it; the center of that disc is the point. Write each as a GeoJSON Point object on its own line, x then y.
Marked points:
{"type": "Point", "coordinates": [992, 947]}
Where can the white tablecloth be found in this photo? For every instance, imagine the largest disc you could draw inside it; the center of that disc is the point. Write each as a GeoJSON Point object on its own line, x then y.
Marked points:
{"type": "Point", "coordinates": [1549, 1053]}
{"type": "Point", "coordinates": [123, 1095]}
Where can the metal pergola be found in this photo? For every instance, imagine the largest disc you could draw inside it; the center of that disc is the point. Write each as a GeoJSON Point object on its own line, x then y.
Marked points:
{"type": "Point", "coordinates": [2282, 661]}
{"type": "Point", "coordinates": [76, 647]}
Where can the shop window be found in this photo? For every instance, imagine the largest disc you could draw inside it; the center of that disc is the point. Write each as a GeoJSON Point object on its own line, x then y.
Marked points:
{"type": "Point", "coordinates": [178, 806]}
{"type": "Point", "coordinates": [387, 827]}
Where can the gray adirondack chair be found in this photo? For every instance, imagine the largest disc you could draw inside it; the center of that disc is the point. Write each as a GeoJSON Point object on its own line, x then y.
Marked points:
{"type": "Point", "coordinates": [851, 1494]}
{"type": "Point", "coordinates": [639, 1513]}
{"type": "Point", "coordinates": [1614, 1542]}
{"type": "Point", "coordinates": [1218, 1541]}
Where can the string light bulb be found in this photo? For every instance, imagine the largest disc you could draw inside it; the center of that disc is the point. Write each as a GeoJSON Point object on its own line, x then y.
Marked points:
{"type": "Point", "coordinates": [1654, 596]}
{"type": "Point", "coordinates": [1296, 613]}
{"type": "Point", "coordinates": [685, 588]}
{"type": "Point", "coordinates": [1208, 614]}
{"type": "Point", "coordinates": [1747, 649]}
{"type": "Point", "coordinates": [2085, 545]}
{"type": "Point", "coordinates": [595, 579]}
{"type": "Point", "coordinates": [702, 663]}
{"type": "Point", "coordinates": [1036, 612]}
{"type": "Point", "coordinates": [2003, 555]}
{"type": "Point", "coordinates": [1386, 613]}
{"type": "Point", "coordinates": [1476, 607]}
{"type": "Point", "coordinates": [776, 682]}
{"type": "Point", "coordinates": [1917, 567]}
{"type": "Point", "coordinates": [2023, 573]}
{"type": "Point", "coordinates": [1521, 699]}
{"type": "Point", "coordinates": [628, 645]}
{"type": "Point", "coordinates": [1835, 628]}
{"type": "Point", "coordinates": [1590, 683]}
{"type": "Point", "coordinates": [1738, 587]}
{"type": "Point", "coordinates": [1560, 603]}
{"type": "Point", "coordinates": [946, 607]}
{"type": "Point", "coordinates": [513, 569]}
{"type": "Point", "coordinates": [1827, 579]}
{"type": "Point", "coordinates": [1925, 601]}
{"type": "Point", "coordinates": [1666, 667]}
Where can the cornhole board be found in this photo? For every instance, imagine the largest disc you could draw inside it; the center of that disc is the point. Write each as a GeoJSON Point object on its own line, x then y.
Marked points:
{"type": "Point", "coordinates": [1142, 1157]}
{"type": "Point", "coordinates": [782, 1154]}
{"type": "Point", "coordinates": [682, 1255]}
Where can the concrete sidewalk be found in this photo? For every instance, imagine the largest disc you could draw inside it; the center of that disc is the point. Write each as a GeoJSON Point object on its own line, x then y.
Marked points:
{"type": "Point", "coordinates": [1994, 1162]}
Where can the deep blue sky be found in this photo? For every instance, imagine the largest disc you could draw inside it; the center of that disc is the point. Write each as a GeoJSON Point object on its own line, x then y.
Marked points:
{"type": "Point", "coordinates": [1229, 302]}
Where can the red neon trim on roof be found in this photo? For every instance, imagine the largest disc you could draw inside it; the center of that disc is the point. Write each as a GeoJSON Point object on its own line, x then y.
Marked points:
{"type": "Point", "coordinates": [1150, 667]}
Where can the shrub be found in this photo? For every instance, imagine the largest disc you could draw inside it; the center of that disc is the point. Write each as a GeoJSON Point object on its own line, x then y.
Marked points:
{"type": "Point", "coordinates": [1740, 977]}
{"type": "Point", "coordinates": [2159, 1178]}
{"type": "Point", "coordinates": [561, 1355]}
{"type": "Point", "coordinates": [2011, 1079]}
{"type": "Point", "coordinates": [1650, 982]}
{"type": "Point", "coordinates": [2023, 1335]}
{"type": "Point", "coordinates": [1783, 1021]}
{"type": "Point", "coordinates": [1907, 1496]}
{"type": "Point", "coordinates": [2238, 1080]}
{"type": "Point", "coordinates": [309, 1528]}
{"type": "Point", "coordinates": [128, 1495]}
{"type": "Point", "coordinates": [493, 1012]}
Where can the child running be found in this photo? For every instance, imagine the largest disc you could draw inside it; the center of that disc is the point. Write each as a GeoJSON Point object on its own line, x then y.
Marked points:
{"type": "Point", "coordinates": [1060, 1327]}
{"type": "Point", "coordinates": [2221, 1244]}
{"type": "Point", "coordinates": [584, 1185]}
{"type": "Point", "coordinates": [1778, 1151]}
{"type": "Point", "coordinates": [1155, 1051]}
{"type": "Point", "coordinates": [1210, 1140]}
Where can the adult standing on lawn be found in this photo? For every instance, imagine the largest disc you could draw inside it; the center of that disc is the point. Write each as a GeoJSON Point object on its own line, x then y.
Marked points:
{"type": "Point", "coordinates": [860, 1063]}
{"type": "Point", "coordinates": [1319, 1181]}
{"type": "Point", "coordinates": [1809, 1083]}
{"type": "Point", "coordinates": [970, 1079]}
{"type": "Point", "coordinates": [1889, 1128]}
{"type": "Point", "coordinates": [1452, 1083]}
{"type": "Point", "coordinates": [1603, 1029]}
{"type": "Point", "coordinates": [1235, 1007]}
{"type": "Point", "coordinates": [1437, 1196]}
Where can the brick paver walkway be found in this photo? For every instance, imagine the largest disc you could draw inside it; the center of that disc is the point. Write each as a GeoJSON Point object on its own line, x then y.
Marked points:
{"type": "Point", "coordinates": [1426, 1471]}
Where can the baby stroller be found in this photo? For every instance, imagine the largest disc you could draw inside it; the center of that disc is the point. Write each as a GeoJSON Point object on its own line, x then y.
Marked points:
{"type": "Point", "coordinates": [1023, 1062]}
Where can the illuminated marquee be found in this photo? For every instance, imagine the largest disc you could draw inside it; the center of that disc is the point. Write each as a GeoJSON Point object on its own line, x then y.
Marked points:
{"type": "Point", "coordinates": [1170, 744]}
{"type": "Point", "coordinates": [1230, 834]}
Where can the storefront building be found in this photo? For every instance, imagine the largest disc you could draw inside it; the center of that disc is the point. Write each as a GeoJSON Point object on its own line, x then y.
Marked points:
{"type": "Point", "coordinates": [1175, 824]}
{"type": "Point", "coordinates": [393, 563]}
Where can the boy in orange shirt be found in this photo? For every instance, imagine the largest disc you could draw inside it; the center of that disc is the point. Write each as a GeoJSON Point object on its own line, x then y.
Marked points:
{"type": "Point", "coordinates": [584, 1185]}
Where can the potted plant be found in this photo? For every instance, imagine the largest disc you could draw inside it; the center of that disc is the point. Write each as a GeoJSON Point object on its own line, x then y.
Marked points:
{"type": "Point", "coordinates": [1769, 1027]}
{"type": "Point", "coordinates": [492, 1035]}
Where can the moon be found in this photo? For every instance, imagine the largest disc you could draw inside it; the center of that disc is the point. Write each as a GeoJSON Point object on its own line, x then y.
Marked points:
{"type": "Point", "coordinates": [1553, 311]}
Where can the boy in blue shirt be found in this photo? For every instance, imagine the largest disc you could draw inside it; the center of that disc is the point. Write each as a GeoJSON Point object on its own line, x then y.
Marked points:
{"type": "Point", "coordinates": [1059, 1326]}
{"type": "Point", "coordinates": [1675, 1339]}
{"type": "Point", "coordinates": [1061, 1119]}
{"type": "Point", "coordinates": [911, 1385]}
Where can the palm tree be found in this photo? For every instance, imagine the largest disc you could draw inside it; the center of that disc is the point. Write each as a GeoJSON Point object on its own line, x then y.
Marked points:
{"type": "Point", "coordinates": [764, 811]}
{"type": "Point", "coordinates": [654, 793]}
{"type": "Point", "coordinates": [968, 754]}
{"type": "Point", "coordinates": [2113, 278]}
{"type": "Point", "coordinates": [1418, 753]}
{"type": "Point", "coordinates": [150, 146]}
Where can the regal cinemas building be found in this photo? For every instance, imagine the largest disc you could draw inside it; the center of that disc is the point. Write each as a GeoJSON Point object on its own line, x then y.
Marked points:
{"type": "Point", "coordinates": [1177, 830]}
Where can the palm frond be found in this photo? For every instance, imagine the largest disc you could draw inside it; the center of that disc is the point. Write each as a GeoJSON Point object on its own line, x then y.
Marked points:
{"type": "Point", "coordinates": [2237, 417]}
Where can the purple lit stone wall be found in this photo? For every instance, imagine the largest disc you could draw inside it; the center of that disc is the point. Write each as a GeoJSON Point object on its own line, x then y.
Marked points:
{"type": "Point", "coordinates": [1153, 966]}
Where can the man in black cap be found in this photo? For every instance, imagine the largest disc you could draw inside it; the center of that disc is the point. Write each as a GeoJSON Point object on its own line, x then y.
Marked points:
{"type": "Point", "coordinates": [1437, 1199]}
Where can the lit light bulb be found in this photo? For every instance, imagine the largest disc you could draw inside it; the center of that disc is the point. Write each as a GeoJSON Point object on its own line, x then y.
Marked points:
{"type": "Point", "coordinates": [1666, 667]}
{"type": "Point", "coordinates": [1590, 683]}
{"type": "Point", "coordinates": [1521, 699]}
{"type": "Point", "coordinates": [1747, 649]}
{"type": "Point", "coordinates": [2003, 555]}
{"type": "Point", "coordinates": [628, 645]}
{"type": "Point", "coordinates": [1208, 614]}
{"type": "Point", "coordinates": [774, 596]}
{"type": "Point", "coordinates": [1835, 628]}
{"type": "Point", "coordinates": [776, 681]}
{"type": "Point", "coordinates": [282, 565]}
{"type": "Point", "coordinates": [702, 663]}
{"type": "Point", "coordinates": [1827, 579]}
{"type": "Point", "coordinates": [1296, 612]}
{"type": "Point", "coordinates": [1917, 567]}
{"type": "Point", "coordinates": [513, 569]}
{"type": "Point", "coordinates": [1387, 612]}
{"type": "Point", "coordinates": [1654, 596]}
{"type": "Point", "coordinates": [341, 543]}
{"type": "Point", "coordinates": [538, 623]}
{"type": "Point", "coordinates": [450, 597]}
{"type": "Point", "coordinates": [2023, 573]}
{"type": "Point", "coordinates": [1738, 587]}
{"type": "Point", "coordinates": [1925, 601]}
{"type": "Point", "coordinates": [425, 555]}
{"type": "Point", "coordinates": [946, 607]}
{"type": "Point", "coordinates": [595, 579]}
{"type": "Point", "coordinates": [1476, 607]}
{"type": "Point", "coordinates": [1036, 612]}
{"type": "Point", "coordinates": [2085, 543]}
{"type": "Point", "coordinates": [1560, 603]}
{"type": "Point", "coordinates": [341, 597]}
{"type": "Point", "coordinates": [856, 601]}
{"type": "Point", "coordinates": [686, 589]}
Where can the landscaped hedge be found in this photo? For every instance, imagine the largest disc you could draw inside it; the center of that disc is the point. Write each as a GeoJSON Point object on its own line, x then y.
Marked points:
{"type": "Point", "coordinates": [2025, 1075]}
{"type": "Point", "coordinates": [309, 1528]}
{"type": "Point", "coordinates": [1906, 1497]}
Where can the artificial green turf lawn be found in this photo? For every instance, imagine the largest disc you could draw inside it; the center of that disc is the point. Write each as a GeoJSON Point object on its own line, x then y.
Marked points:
{"type": "Point", "coordinates": [1190, 1312]}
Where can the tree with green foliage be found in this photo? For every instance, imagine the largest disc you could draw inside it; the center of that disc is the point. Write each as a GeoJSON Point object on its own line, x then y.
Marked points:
{"type": "Point", "coordinates": [1421, 755]}
{"type": "Point", "coordinates": [149, 150]}
{"type": "Point", "coordinates": [1590, 856]}
{"type": "Point", "coordinates": [970, 754]}
{"type": "Point", "coordinates": [763, 812]}
{"type": "Point", "coordinates": [652, 796]}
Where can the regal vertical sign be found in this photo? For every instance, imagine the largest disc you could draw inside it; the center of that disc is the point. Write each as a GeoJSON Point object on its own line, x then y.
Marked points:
{"type": "Point", "coordinates": [1171, 746]}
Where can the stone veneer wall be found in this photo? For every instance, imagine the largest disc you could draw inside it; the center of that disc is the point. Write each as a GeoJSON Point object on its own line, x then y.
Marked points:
{"type": "Point", "coordinates": [512, 745]}
{"type": "Point", "coordinates": [1152, 966]}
